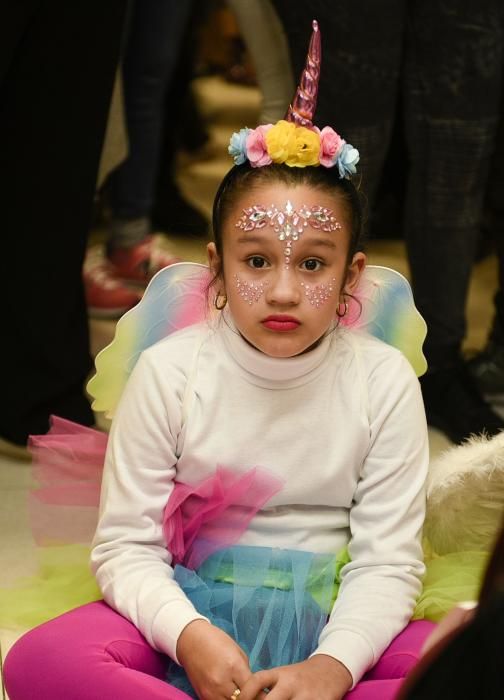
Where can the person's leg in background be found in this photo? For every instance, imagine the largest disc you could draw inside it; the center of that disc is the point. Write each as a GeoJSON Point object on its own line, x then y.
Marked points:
{"type": "Point", "coordinates": [184, 129]}
{"type": "Point", "coordinates": [452, 84]}
{"type": "Point", "coordinates": [487, 367]}
{"type": "Point", "coordinates": [156, 30]}
{"type": "Point", "coordinates": [359, 80]}
{"type": "Point", "coordinates": [57, 66]}
{"type": "Point", "coordinates": [264, 37]}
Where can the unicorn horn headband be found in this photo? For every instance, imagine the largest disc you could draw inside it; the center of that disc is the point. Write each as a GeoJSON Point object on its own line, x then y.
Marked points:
{"type": "Point", "coordinates": [304, 102]}
{"type": "Point", "coordinates": [295, 141]}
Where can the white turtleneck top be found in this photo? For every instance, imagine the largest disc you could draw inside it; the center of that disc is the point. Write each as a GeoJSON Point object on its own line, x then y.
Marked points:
{"type": "Point", "coordinates": [343, 426]}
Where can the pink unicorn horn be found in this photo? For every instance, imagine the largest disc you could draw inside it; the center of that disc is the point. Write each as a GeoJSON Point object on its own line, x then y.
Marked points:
{"type": "Point", "coordinates": [302, 107]}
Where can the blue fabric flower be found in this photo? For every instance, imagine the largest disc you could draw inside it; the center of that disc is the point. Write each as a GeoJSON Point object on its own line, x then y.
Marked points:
{"type": "Point", "coordinates": [347, 160]}
{"type": "Point", "coordinates": [238, 146]}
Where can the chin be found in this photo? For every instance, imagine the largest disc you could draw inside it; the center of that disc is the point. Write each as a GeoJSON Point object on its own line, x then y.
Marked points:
{"type": "Point", "coordinates": [273, 347]}
{"type": "Point", "coordinates": [300, 349]}
{"type": "Point", "coordinates": [284, 349]}
{"type": "Point", "coordinates": [282, 353]}
{"type": "Point", "coordinates": [280, 345]}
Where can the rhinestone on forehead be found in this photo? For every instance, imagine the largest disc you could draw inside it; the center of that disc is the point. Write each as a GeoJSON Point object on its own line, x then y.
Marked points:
{"type": "Point", "coordinates": [288, 223]}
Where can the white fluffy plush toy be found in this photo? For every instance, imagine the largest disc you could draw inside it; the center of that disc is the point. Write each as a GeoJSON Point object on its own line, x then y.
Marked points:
{"type": "Point", "coordinates": [465, 506]}
{"type": "Point", "coordinates": [465, 496]}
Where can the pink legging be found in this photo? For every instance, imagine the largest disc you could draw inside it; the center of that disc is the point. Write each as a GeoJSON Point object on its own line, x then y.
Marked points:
{"type": "Point", "coordinates": [93, 653]}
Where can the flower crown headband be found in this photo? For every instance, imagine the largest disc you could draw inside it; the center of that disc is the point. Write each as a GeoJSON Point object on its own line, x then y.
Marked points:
{"type": "Point", "coordinates": [295, 141]}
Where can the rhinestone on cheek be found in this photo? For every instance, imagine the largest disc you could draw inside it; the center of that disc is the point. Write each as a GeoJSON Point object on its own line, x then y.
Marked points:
{"type": "Point", "coordinates": [320, 293]}
{"type": "Point", "coordinates": [250, 292]}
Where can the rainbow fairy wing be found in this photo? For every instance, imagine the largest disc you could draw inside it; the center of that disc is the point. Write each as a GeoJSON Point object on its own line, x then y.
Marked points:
{"type": "Point", "coordinates": [384, 308]}
{"type": "Point", "coordinates": [175, 298]}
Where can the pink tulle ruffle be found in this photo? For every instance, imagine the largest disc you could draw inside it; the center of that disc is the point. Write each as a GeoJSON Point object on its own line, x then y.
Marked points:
{"type": "Point", "coordinates": [213, 514]}
{"type": "Point", "coordinates": [198, 520]}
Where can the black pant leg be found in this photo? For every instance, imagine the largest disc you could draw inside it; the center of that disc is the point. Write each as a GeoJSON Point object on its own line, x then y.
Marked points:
{"type": "Point", "coordinates": [361, 60]}
{"type": "Point", "coordinates": [56, 83]}
{"type": "Point", "coordinates": [453, 76]}
{"type": "Point", "coordinates": [494, 200]}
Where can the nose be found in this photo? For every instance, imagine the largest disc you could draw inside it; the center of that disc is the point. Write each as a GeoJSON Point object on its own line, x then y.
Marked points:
{"type": "Point", "coordinates": [283, 288]}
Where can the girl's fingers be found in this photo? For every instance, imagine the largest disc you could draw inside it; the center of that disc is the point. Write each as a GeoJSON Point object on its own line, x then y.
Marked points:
{"type": "Point", "coordinates": [240, 678]}
{"type": "Point", "coordinates": [262, 695]}
{"type": "Point", "coordinates": [253, 689]}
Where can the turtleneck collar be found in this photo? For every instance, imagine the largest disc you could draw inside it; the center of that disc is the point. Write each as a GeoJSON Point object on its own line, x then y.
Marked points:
{"type": "Point", "coordinates": [265, 370]}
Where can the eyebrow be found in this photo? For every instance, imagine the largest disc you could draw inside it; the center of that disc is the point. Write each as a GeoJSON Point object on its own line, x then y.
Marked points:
{"type": "Point", "coordinates": [252, 239]}
{"type": "Point", "coordinates": [325, 242]}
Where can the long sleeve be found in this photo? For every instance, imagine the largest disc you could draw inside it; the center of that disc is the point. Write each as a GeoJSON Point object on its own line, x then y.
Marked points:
{"type": "Point", "coordinates": [380, 585]}
{"type": "Point", "coordinates": [129, 557]}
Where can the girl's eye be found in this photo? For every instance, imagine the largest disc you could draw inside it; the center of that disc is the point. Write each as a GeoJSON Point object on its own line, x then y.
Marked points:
{"type": "Point", "coordinates": [311, 264]}
{"type": "Point", "coordinates": [256, 262]}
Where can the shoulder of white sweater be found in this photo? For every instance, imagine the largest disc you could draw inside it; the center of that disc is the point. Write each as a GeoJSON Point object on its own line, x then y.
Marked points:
{"type": "Point", "coordinates": [179, 346]}
{"type": "Point", "coordinates": [374, 354]}
{"type": "Point", "coordinates": [375, 357]}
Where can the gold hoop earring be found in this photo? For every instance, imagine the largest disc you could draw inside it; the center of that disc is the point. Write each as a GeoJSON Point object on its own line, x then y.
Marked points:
{"type": "Point", "coordinates": [220, 301]}
{"type": "Point", "coordinates": [339, 314]}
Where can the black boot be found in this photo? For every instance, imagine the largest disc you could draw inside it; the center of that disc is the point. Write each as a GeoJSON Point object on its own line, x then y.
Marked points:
{"type": "Point", "coordinates": [487, 367]}
{"type": "Point", "coordinates": [454, 404]}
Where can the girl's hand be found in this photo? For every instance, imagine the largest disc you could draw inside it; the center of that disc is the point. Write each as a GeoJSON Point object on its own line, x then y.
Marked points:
{"type": "Point", "coordinates": [214, 663]}
{"type": "Point", "coordinates": [320, 677]}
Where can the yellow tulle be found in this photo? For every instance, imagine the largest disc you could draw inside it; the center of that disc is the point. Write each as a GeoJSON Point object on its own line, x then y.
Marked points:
{"type": "Point", "coordinates": [450, 579]}
{"type": "Point", "coordinates": [64, 582]}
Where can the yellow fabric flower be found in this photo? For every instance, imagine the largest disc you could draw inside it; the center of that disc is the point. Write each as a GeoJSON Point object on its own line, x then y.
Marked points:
{"type": "Point", "coordinates": [307, 148]}
{"type": "Point", "coordinates": [281, 141]}
{"type": "Point", "coordinates": [294, 145]}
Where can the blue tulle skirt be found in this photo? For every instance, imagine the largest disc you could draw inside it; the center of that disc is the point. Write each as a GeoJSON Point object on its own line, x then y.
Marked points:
{"type": "Point", "coordinates": [272, 602]}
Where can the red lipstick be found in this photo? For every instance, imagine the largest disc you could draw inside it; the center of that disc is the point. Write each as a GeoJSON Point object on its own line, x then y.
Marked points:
{"type": "Point", "coordinates": [281, 322]}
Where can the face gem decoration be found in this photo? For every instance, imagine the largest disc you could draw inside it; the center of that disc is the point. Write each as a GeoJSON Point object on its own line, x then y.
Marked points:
{"type": "Point", "coordinates": [320, 293]}
{"type": "Point", "coordinates": [249, 291]}
{"type": "Point", "coordinates": [288, 224]}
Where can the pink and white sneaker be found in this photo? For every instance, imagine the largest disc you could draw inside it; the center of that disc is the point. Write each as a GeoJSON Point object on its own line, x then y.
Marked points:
{"type": "Point", "coordinates": [139, 263]}
{"type": "Point", "coordinates": [106, 294]}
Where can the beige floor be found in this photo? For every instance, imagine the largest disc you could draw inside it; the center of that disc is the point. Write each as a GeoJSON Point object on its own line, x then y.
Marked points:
{"type": "Point", "coordinates": [226, 108]}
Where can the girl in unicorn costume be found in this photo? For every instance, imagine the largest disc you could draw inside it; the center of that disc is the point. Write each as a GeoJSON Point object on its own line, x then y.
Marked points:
{"type": "Point", "coordinates": [263, 493]}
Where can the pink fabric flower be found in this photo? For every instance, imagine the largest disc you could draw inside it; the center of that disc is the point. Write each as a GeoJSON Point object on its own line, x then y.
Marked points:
{"type": "Point", "coordinates": [330, 145]}
{"type": "Point", "coordinates": [257, 152]}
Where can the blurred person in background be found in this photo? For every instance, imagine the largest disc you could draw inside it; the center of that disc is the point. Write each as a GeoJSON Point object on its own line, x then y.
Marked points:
{"type": "Point", "coordinates": [265, 39]}
{"type": "Point", "coordinates": [444, 62]}
{"type": "Point", "coordinates": [156, 72]}
{"type": "Point", "coordinates": [487, 367]}
{"type": "Point", "coordinates": [57, 67]}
